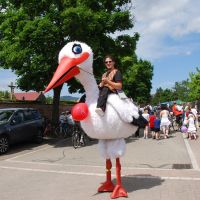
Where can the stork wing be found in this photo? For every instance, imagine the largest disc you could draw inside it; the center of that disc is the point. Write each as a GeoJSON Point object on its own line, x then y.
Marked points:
{"type": "Point", "coordinates": [125, 108]}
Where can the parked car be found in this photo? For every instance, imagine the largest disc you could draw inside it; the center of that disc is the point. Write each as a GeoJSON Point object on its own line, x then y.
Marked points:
{"type": "Point", "coordinates": [19, 124]}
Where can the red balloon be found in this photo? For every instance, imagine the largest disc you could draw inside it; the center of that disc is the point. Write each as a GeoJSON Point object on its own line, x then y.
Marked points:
{"type": "Point", "coordinates": [79, 111]}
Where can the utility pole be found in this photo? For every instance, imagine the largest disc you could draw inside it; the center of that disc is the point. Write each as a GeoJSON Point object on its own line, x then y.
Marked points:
{"type": "Point", "coordinates": [12, 87]}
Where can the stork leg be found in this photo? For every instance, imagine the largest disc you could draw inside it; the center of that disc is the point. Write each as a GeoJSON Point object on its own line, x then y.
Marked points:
{"type": "Point", "coordinates": [107, 186]}
{"type": "Point", "coordinates": [119, 190]}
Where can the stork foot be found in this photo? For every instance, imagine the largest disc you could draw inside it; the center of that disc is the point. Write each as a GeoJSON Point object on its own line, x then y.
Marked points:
{"type": "Point", "coordinates": [107, 186]}
{"type": "Point", "coordinates": [119, 191]}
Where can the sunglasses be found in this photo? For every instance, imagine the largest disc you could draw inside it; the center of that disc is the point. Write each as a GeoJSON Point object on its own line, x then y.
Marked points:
{"type": "Point", "coordinates": [108, 62]}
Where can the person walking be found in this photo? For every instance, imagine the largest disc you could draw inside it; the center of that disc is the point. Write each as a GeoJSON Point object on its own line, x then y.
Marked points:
{"type": "Point", "coordinates": [164, 125]}
{"type": "Point", "coordinates": [152, 118]}
{"type": "Point", "coordinates": [192, 130]}
{"type": "Point", "coordinates": [157, 127]}
{"type": "Point", "coordinates": [178, 114]}
{"type": "Point", "coordinates": [195, 113]}
{"type": "Point", "coordinates": [146, 128]}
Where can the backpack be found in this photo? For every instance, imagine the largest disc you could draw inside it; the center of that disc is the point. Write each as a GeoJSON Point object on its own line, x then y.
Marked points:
{"type": "Point", "coordinates": [141, 121]}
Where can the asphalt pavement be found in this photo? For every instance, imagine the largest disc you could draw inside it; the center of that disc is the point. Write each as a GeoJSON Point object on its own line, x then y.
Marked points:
{"type": "Point", "coordinates": [151, 169]}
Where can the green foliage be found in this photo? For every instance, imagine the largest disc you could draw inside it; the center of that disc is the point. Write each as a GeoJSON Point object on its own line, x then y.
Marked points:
{"type": "Point", "coordinates": [163, 95]}
{"type": "Point", "coordinates": [138, 80]}
{"type": "Point", "coordinates": [4, 95]}
{"type": "Point", "coordinates": [194, 85]}
{"type": "Point", "coordinates": [49, 100]}
{"type": "Point", "coordinates": [181, 90]}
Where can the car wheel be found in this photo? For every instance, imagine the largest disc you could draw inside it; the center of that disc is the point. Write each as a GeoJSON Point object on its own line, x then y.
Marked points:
{"type": "Point", "coordinates": [4, 144]}
{"type": "Point", "coordinates": [39, 137]}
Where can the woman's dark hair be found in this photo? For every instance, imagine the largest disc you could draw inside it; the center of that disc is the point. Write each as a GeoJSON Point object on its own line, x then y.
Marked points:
{"type": "Point", "coordinates": [163, 106]}
{"type": "Point", "coordinates": [109, 56]}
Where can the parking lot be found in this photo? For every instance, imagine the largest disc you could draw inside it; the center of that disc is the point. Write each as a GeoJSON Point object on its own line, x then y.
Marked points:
{"type": "Point", "coordinates": [54, 170]}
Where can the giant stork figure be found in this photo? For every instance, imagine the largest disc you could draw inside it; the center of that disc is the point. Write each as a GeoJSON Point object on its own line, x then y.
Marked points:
{"type": "Point", "coordinates": [76, 60]}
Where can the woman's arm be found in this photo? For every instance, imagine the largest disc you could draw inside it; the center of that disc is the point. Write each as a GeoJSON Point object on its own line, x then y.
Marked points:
{"type": "Point", "coordinates": [117, 86]}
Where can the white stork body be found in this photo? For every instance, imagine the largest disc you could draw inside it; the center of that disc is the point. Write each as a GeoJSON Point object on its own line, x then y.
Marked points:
{"type": "Point", "coordinates": [114, 125]}
{"type": "Point", "coordinates": [118, 115]}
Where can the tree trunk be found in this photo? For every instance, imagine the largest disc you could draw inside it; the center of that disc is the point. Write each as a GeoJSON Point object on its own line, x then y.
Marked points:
{"type": "Point", "coordinates": [56, 102]}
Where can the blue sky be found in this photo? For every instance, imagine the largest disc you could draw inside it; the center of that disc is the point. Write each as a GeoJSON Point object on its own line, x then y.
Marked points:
{"type": "Point", "coordinates": [170, 40]}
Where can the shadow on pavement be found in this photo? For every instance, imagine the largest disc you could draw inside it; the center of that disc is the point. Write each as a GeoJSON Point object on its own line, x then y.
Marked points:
{"type": "Point", "coordinates": [68, 143]}
{"type": "Point", "coordinates": [140, 182]}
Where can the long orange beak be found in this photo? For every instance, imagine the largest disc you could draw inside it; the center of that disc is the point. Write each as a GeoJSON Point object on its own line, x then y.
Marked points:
{"type": "Point", "coordinates": [66, 70]}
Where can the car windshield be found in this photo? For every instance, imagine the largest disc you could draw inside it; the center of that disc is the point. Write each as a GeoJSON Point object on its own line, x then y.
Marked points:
{"type": "Point", "coordinates": [5, 115]}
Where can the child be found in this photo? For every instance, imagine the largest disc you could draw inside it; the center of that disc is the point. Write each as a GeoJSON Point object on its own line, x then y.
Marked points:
{"type": "Point", "coordinates": [48, 128]}
{"type": "Point", "coordinates": [146, 128]}
{"type": "Point", "coordinates": [157, 127]}
{"type": "Point", "coordinates": [191, 127]}
{"type": "Point", "coordinates": [152, 118]}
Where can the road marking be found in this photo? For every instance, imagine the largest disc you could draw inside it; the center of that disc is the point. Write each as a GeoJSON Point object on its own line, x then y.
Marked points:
{"type": "Point", "coordinates": [100, 175]}
{"type": "Point", "coordinates": [191, 154]}
{"type": "Point", "coordinates": [51, 171]}
{"type": "Point", "coordinates": [93, 166]}
{"type": "Point", "coordinates": [54, 164]}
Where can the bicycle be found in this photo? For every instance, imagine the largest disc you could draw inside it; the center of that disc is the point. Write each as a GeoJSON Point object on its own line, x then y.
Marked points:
{"type": "Point", "coordinates": [61, 131]}
{"type": "Point", "coordinates": [179, 122]}
{"type": "Point", "coordinates": [78, 136]}
{"type": "Point", "coordinates": [173, 125]}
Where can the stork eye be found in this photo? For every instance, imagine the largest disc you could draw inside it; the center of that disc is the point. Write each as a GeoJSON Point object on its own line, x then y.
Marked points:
{"type": "Point", "coordinates": [77, 49]}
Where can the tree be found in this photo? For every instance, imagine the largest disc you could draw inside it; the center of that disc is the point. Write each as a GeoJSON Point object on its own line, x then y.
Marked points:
{"type": "Point", "coordinates": [138, 80]}
{"type": "Point", "coordinates": [163, 95]}
{"type": "Point", "coordinates": [194, 85]}
{"type": "Point", "coordinates": [33, 32]}
{"type": "Point", "coordinates": [4, 95]}
{"type": "Point", "coordinates": [181, 90]}
{"type": "Point", "coordinates": [49, 100]}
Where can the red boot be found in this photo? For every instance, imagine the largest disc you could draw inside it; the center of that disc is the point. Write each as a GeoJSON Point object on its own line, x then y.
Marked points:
{"type": "Point", "coordinates": [108, 185]}
{"type": "Point", "coordinates": [119, 190]}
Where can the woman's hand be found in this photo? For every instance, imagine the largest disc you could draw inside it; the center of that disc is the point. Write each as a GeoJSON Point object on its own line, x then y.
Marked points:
{"type": "Point", "coordinates": [117, 86]}
{"type": "Point", "coordinates": [105, 81]}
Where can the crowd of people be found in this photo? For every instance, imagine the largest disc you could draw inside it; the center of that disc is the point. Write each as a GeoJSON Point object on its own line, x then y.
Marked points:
{"type": "Point", "coordinates": [161, 119]}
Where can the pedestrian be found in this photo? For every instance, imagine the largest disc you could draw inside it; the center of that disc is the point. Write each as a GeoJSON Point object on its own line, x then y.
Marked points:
{"type": "Point", "coordinates": [141, 122]}
{"type": "Point", "coordinates": [152, 118]}
{"type": "Point", "coordinates": [48, 127]}
{"type": "Point", "coordinates": [157, 127]}
{"type": "Point", "coordinates": [192, 130]}
{"type": "Point", "coordinates": [137, 133]}
{"type": "Point", "coordinates": [111, 82]}
{"type": "Point", "coordinates": [178, 114]}
{"type": "Point", "coordinates": [195, 113]}
{"type": "Point", "coordinates": [165, 123]}
{"type": "Point", "coordinates": [146, 128]}
{"type": "Point", "coordinates": [63, 121]}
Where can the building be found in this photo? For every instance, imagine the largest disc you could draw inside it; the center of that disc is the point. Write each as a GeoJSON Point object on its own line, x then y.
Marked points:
{"type": "Point", "coordinates": [30, 96]}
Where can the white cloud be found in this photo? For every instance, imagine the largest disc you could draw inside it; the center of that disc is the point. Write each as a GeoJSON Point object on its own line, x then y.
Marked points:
{"type": "Point", "coordinates": [161, 20]}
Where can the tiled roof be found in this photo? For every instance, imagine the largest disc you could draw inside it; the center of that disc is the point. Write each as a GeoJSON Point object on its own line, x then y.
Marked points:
{"type": "Point", "coordinates": [27, 96]}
